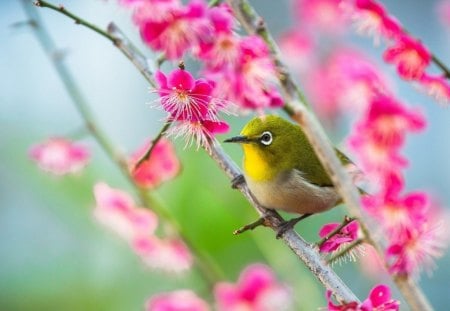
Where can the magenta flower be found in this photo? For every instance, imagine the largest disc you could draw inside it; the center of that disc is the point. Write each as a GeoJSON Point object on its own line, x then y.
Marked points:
{"type": "Point", "coordinates": [163, 165]}
{"type": "Point", "coordinates": [379, 299]}
{"type": "Point", "coordinates": [347, 235]}
{"type": "Point", "coordinates": [182, 29]}
{"type": "Point", "coordinates": [180, 300]}
{"type": "Point", "coordinates": [256, 289]}
{"type": "Point", "coordinates": [153, 10]}
{"type": "Point", "coordinates": [371, 18]}
{"type": "Point", "coordinates": [117, 210]}
{"type": "Point", "coordinates": [410, 56]}
{"type": "Point", "coordinates": [59, 156]}
{"type": "Point", "coordinates": [437, 87]}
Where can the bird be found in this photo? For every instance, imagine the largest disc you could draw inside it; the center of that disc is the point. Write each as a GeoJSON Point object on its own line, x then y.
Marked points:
{"type": "Point", "coordinates": [282, 171]}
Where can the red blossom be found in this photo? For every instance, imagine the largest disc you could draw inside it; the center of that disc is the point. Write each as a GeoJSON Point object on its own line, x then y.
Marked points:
{"type": "Point", "coordinates": [162, 165]}
{"type": "Point", "coordinates": [410, 56]}
{"type": "Point", "coordinates": [348, 234]}
{"type": "Point", "coordinates": [60, 156]}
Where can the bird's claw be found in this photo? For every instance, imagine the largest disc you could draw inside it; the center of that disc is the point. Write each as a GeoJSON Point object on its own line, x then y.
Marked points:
{"type": "Point", "coordinates": [289, 224]}
{"type": "Point", "coordinates": [236, 181]}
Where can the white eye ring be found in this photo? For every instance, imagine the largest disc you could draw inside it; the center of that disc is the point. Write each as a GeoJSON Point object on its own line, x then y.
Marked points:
{"type": "Point", "coordinates": [266, 138]}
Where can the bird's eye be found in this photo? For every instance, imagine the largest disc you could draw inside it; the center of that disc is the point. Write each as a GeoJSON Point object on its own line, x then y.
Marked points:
{"type": "Point", "coordinates": [266, 138]}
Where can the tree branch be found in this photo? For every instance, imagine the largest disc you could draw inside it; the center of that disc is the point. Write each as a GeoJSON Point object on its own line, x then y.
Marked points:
{"type": "Point", "coordinates": [299, 111]}
{"type": "Point", "coordinates": [204, 265]}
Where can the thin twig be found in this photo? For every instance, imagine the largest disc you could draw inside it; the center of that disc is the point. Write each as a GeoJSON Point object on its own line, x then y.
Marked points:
{"type": "Point", "coordinates": [204, 265]}
{"type": "Point", "coordinates": [155, 141]}
{"type": "Point", "coordinates": [441, 65]}
{"type": "Point", "coordinates": [299, 111]}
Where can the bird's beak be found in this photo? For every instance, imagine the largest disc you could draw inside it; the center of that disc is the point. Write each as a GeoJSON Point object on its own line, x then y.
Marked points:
{"type": "Point", "coordinates": [238, 139]}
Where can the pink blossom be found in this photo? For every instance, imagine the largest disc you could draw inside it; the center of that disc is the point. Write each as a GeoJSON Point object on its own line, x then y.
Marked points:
{"type": "Point", "coordinates": [410, 56]}
{"type": "Point", "coordinates": [436, 86]}
{"type": "Point", "coordinates": [371, 18]}
{"type": "Point", "coordinates": [180, 300]}
{"type": "Point", "coordinates": [181, 30]}
{"type": "Point", "coordinates": [169, 254]}
{"type": "Point", "coordinates": [443, 11]}
{"type": "Point", "coordinates": [256, 289]}
{"type": "Point", "coordinates": [152, 10]}
{"type": "Point", "coordinates": [59, 156]}
{"type": "Point", "coordinates": [348, 234]}
{"type": "Point", "coordinates": [379, 299]}
{"type": "Point", "coordinates": [163, 165]}
{"type": "Point", "coordinates": [186, 98]}
{"type": "Point", "coordinates": [117, 210]}
{"type": "Point", "coordinates": [321, 15]}
{"type": "Point", "coordinates": [297, 49]}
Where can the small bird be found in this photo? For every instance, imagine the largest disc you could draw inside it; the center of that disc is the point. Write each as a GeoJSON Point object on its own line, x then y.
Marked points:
{"type": "Point", "coordinates": [282, 170]}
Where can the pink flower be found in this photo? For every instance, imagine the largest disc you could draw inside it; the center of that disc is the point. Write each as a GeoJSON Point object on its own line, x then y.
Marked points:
{"type": "Point", "coordinates": [152, 10]}
{"type": "Point", "coordinates": [371, 18]}
{"type": "Point", "coordinates": [116, 210]}
{"type": "Point", "coordinates": [181, 30]}
{"type": "Point", "coordinates": [256, 289]}
{"type": "Point", "coordinates": [436, 86]}
{"type": "Point", "coordinates": [59, 156]}
{"type": "Point", "coordinates": [347, 235]}
{"type": "Point", "coordinates": [185, 98]}
{"type": "Point", "coordinates": [321, 15]}
{"type": "Point", "coordinates": [163, 165]}
{"type": "Point", "coordinates": [180, 300]}
{"type": "Point", "coordinates": [443, 10]}
{"type": "Point", "coordinates": [297, 49]}
{"type": "Point", "coordinates": [170, 255]}
{"type": "Point", "coordinates": [410, 56]}
{"type": "Point", "coordinates": [379, 299]}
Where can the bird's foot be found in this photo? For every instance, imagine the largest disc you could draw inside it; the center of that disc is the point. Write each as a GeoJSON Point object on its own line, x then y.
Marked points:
{"type": "Point", "coordinates": [236, 181]}
{"type": "Point", "coordinates": [289, 224]}
{"type": "Point", "coordinates": [260, 222]}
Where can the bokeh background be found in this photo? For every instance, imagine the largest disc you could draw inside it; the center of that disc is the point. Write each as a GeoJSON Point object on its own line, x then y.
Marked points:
{"type": "Point", "coordinates": [54, 256]}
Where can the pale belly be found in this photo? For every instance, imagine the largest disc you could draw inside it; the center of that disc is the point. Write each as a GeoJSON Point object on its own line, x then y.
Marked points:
{"type": "Point", "coordinates": [291, 193]}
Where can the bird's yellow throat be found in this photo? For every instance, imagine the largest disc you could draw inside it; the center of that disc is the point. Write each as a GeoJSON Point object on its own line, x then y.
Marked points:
{"type": "Point", "coordinates": [255, 166]}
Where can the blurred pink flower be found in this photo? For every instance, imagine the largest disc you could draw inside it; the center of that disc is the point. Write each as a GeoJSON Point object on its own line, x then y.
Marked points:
{"type": "Point", "coordinates": [436, 86]}
{"type": "Point", "coordinates": [443, 11]}
{"type": "Point", "coordinates": [182, 29]}
{"type": "Point", "coordinates": [180, 300]}
{"type": "Point", "coordinates": [410, 56]}
{"type": "Point", "coordinates": [116, 210]}
{"type": "Point", "coordinates": [347, 235]}
{"type": "Point", "coordinates": [321, 15]}
{"type": "Point", "coordinates": [152, 10]}
{"type": "Point", "coordinates": [59, 156]}
{"type": "Point", "coordinates": [170, 255]}
{"type": "Point", "coordinates": [297, 49]}
{"type": "Point", "coordinates": [371, 263]}
{"type": "Point", "coordinates": [371, 18]}
{"type": "Point", "coordinates": [257, 289]}
{"type": "Point", "coordinates": [379, 299]}
{"type": "Point", "coordinates": [163, 165]}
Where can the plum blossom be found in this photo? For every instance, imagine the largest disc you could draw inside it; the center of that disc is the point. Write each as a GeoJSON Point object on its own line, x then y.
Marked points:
{"type": "Point", "coordinates": [443, 11]}
{"type": "Point", "coordinates": [379, 299]}
{"type": "Point", "coordinates": [257, 289]}
{"type": "Point", "coordinates": [410, 56]}
{"type": "Point", "coordinates": [117, 211]}
{"type": "Point", "coordinates": [152, 10]}
{"type": "Point", "coordinates": [182, 29]}
{"type": "Point", "coordinates": [437, 87]}
{"type": "Point", "coordinates": [345, 236]}
{"type": "Point", "coordinates": [180, 300]}
{"type": "Point", "coordinates": [297, 49]}
{"type": "Point", "coordinates": [60, 156]}
{"type": "Point", "coordinates": [163, 165]}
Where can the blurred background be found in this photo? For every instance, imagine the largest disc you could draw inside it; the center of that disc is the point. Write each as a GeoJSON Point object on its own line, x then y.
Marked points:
{"type": "Point", "coordinates": [53, 255]}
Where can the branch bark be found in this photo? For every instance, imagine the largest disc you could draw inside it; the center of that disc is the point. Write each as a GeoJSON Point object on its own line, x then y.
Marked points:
{"type": "Point", "coordinates": [299, 111]}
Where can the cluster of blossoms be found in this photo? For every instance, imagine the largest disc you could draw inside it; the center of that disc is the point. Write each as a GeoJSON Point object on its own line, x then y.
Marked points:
{"type": "Point", "coordinates": [257, 289]}
{"type": "Point", "coordinates": [411, 58]}
{"type": "Point", "coordinates": [379, 299]}
{"type": "Point", "coordinates": [117, 210]}
{"type": "Point", "coordinates": [236, 69]}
